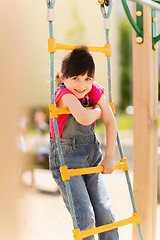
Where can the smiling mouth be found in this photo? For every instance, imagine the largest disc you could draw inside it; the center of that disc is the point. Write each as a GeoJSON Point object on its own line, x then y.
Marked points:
{"type": "Point", "coordinates": [79, 91]}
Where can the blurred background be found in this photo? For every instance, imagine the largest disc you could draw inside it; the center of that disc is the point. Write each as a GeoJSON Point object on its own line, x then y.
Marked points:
{"type": "Point", "coordinates": [30, 203]}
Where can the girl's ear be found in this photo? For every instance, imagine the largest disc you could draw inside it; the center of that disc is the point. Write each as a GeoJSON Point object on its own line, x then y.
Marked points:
{"type": "Point", "coordinates": [58, 79]}
{"type": "Point", "coordinates": [60, 74]}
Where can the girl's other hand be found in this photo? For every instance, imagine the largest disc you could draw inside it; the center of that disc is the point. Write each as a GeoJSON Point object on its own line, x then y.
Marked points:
{"type": "Point", "coordinates": [108, 166]}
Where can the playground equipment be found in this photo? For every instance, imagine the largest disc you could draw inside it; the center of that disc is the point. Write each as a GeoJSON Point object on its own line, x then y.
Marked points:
{"type": "Point", "coordinates": [145, 118]}
{"type": "Point", "coordinates": [54, 111]}
{"type": "Point", "coordinates": [138, 27]}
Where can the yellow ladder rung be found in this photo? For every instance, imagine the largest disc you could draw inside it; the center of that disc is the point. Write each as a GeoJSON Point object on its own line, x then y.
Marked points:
{"type": "Point", "coordinates": [89, 232]}
{"type": "Point", "coordinates": [67, 173]}
{"type": "Point", "coordinates": [83, 171]}
{"type": "Point", "coordinates": [55, 111]}
{"type": "Point", "coordinates": [106, 49]}
{"type": "Point", "coordinates": [53, 46]}
{"type": "Point", "coordinates": [79, 235]}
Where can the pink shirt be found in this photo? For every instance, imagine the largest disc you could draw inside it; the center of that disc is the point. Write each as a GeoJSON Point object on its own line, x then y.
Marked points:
{"type": "Point", "coordinates": [94, 96]}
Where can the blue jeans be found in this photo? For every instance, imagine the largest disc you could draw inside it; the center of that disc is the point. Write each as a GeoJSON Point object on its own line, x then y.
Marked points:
{"type": "Point", "coordinates": [90, 195]}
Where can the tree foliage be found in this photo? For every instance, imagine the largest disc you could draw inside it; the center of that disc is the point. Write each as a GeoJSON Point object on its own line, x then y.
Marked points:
{"type": "Point", "coordinates": [125, 64]}
{"type": "Point", "coordinates": [77, 32]}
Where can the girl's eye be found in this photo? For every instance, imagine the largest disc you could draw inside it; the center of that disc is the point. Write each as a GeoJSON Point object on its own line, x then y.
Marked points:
{"type": "Point", "coordinates": [74, 78]}
{"type": "Point", "coordinates": [88, 79]}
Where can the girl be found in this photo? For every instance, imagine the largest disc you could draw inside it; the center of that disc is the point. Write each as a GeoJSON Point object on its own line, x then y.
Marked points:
{"type": "Point", "coordinates": [79, 143]}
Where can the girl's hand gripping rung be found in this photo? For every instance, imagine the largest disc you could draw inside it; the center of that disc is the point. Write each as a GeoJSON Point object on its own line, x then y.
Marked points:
{"type": "Point", "coordinates": [67, 173]}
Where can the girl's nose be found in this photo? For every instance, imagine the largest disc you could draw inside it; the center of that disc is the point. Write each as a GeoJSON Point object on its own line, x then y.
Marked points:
{"type": "Point", "coordinates": [82, 84]}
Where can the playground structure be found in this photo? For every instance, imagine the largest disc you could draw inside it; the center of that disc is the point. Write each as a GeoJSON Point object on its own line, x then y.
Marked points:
{"type": "Point", "coordinates": [145, 94]}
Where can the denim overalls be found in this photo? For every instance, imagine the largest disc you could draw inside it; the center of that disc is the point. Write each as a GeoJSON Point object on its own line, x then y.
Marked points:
{"type": "Point", "coordinates": [90, 195]}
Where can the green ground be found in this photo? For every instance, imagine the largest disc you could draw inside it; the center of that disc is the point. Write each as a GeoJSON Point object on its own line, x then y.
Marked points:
{"type": "Point", "coordinates": [124, 122]}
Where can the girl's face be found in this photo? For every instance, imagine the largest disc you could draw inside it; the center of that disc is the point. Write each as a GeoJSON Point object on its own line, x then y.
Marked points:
{"type": "Point", "coordinates": [79, 85]}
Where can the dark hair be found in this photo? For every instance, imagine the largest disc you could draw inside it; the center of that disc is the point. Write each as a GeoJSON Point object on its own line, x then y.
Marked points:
{"type": "Point", "coordinates": [78, 62]}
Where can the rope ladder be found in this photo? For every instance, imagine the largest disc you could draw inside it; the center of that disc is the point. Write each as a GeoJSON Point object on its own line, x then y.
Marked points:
{"type": "Point", "coordinates": [55, 111]}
